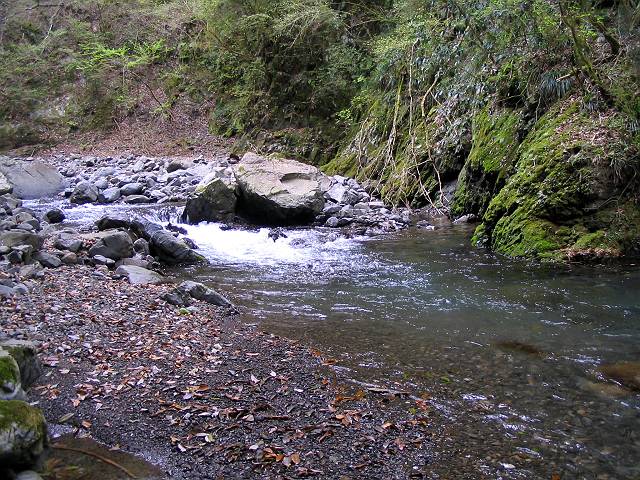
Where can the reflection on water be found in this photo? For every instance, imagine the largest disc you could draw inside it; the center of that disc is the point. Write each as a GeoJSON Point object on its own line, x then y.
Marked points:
{"type": "Point", "coordinates": [509, 346]}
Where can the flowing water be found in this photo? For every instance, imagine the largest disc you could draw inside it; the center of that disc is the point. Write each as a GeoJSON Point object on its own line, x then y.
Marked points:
{"type": "Point", "coordinates": [510, 352]}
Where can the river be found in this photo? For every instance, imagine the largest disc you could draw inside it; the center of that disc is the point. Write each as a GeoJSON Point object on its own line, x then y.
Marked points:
{"type": "Point", "coordinates": [508, 351]}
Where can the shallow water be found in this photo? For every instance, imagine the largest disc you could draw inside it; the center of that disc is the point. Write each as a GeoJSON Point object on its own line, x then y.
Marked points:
{"type": "Point", "coordinates": [508, 350]}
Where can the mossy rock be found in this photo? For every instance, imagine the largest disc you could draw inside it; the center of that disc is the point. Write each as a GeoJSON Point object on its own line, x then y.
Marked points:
{"type": "Point", "coordinates": [494, 144]}
{"type": "Point", "coordinates": [572, 192]}
{"type": "Point", "coordinates": [23, 434]}
{"type": "Point", "coordinates": [25, 354]}
{"type": "Point", "coordinates": [10, 386]}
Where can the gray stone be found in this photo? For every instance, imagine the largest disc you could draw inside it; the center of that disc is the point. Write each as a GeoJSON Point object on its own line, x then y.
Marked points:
{"type": "Point", "coordinates": [116, 245]}
{"type": "Point", "coordinates": [7, 292]}
{"type": "Point", "coordinates": [15, 238]}
{"type": "Point", "coordinates": [278, 191]}
{"type": "Point", "coordinates": [28, 272]}
{"type": "Point", "coordinates": [203, 293]}
{"type": "Point", "coordinates": [85, 192]}
{"type": "Point", "coordinates": [69, 258]}
{"type": "Point", "coordinates": [47, 260]}
{"type": "Point", "coordinates": [332, 222]}
{"type": "Point", "coordinates": [101, 184]}
{"type": "Point", "coordinates": [28, 475]}
{"type": "Point", "coordinates": [139, 276]}
{"type": "Point", "coordinates": [102, 260]}
{"type": "Point", "coordinates": [55, 215]}
{"type": "Point", "coordinates": [109, 195]}
{"type": "Point", "coordinates": [67, 241]}
{"type": "Point", "coordinates": [172, 251]}
{"type": "Point", "coordinates": [137, 199]}
{"type": "Point", "coordinates": [215, 200]}
{"type": "Point", "coordinates": [178, 164]}
{"type": "Point", "coordinates": [143, 228]}
{"type": "Point", "coordinates": [113, 221]}
{"type": "Point", "coordinates": [135, 188]}
{"type": "Point", "coordinates": [10, 384]}
{"type": "Point", "coordinates": [141, 246]}
{"type": "Point", "coordinates": [5, 186]}
{"type": "Point", "coordinates": [31, 180]}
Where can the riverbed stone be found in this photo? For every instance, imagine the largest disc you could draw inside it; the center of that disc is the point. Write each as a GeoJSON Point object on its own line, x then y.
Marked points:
{"type": "Point", "coordinates": [173, 251]}
{"type": "Point", "coordinates": [215, 200]}
{"type": "Point", "coordinates": [67, 241]}
{"type": "Point", "coordinates": [84, 192]}
{"type": "Point", "coordinates": [276, 191]}
{"type": "Point", "coordinates": [134, 188]}
{"type": "Point", "coordinates": [31, 179]}
{"type": "Point", "coordinates": [14, 238]}
{"type": "Point", "coordinates": [102, 260]}
{"type": "Point", "coordinates": [202, 292]}
{"type": "Point", "coordinates": [47, 260]}
{"type": "Point", "coordinates": [23, 434]}
{"type": "Point", "coordinates": [116, 245]}
{"type": "Point", "coordinates": [137, 199]}
{"type": "Point", "coordinates": [626, 373]}
{"type": "Point", "coordinates": [113, 220]}
{"type": "Point", "coordinates": [141, 246]}
{"type": "Point", "coordinates": [139, 275]}
{"type": "Point", "coordinates": [109, 195]}
{"type": "Point", "coordinates": [55, 215]}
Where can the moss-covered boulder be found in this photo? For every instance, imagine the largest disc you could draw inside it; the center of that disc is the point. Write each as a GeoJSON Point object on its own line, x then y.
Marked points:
{"type": "Point", "coordinates": [494, 145]}
{"type": "Point", "coordinates": [573, 192]}
{"type": "Point", "coordinates": [25, 354]}
{"type": "Point", "coordinates": [23, 434]}
{"type": "Point", "coordinates": [10, 386]}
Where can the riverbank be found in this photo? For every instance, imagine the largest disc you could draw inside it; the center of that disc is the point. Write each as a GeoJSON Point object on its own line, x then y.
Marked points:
{"type": "Point", "coordinates": [202, 395]}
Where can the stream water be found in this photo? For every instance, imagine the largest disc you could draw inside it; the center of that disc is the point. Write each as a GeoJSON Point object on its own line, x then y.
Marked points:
{"type": "Point", "coordinates": [509, 351]}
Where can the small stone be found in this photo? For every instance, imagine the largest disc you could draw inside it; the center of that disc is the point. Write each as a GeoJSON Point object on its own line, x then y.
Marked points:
{"type": "Point", "coordinates": [55, 215]}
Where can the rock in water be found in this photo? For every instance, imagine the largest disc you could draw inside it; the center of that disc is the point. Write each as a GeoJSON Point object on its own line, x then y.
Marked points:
{"type": "Point", "coordinates": [202, 292]}
{"type": "Point", "coordinates": [138, 275]}
{"type": "Point", "coordinates": [55, 215]}
{"type": "Point", "coordinates": [215, 200]}
{"type": "Point", "coordinates": [113, 221]}
{"type": "Point", "coordinates": [25, 355]}
{"type": "Point", "coordinates": [172, 251]}
{"type": "Point", "coordinates": [116, 246]}
{"type": "Point", "coordinates": [278, 191]}
{"type": "Point", "coordinates": [23, 434]}
{"type": "Point", "coordinates": [31, 180]}
{"type": "Point", "coordinates": [85, 192]}
{"type": "Point", "coordinates": [626, 373]}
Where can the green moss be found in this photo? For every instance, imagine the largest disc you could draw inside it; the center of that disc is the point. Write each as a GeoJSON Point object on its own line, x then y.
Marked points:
{"type": "Point", "coordinates": [494, 144]}
{"type": "Point", "coordinates": [22, 414]}
{"type": "Point", "coordinates": [9, 370]}
{"type": "Point", "coordinates": [549, 207]}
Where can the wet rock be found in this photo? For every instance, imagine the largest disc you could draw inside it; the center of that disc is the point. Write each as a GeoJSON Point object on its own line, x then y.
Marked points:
{"type": "Point", "coordinates": [47, 260]}
{"type": "Point", "coordinates": [469, 218]}
{"type": "Point", "coordinates": [23, 434]}
{"type": "Point", "coordinates": [278, 191]}
{"type": "Point", "coordinates": [171, 250]}
{"type": "Point", "coordinates": [25, 355]}
{"type": "Point", "coordinates": [139, 275]}
{"type": "Point", "coordinates": [14, 238]}
{"type": "Point", "coordinates": [10, 386]}
{"type": "Point", "coordinates": [143, 228]}
{"type": "Point", "coordinates": [109, 195]}
{"type": "Point", "coordinates": [203, 293]}
{"type": "Point", "coordinates": [85, 192]}
{"type": "Point", "coordinates": [215, 200]}
{"type": "Point", "coordinates": [113, 221]}
{"type": "Point", "coordinates": [115, 246]}
{"type": "Point", "coordinates": [31, 180]}
{"type": "Point", "coordinates": [55, 215]}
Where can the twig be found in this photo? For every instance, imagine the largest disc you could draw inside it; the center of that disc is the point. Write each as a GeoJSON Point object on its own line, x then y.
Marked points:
{"type": "Point", "coordinates": [58, 446]}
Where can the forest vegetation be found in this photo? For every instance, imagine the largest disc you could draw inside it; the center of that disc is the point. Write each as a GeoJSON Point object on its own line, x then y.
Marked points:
{"type": "Point", "coordinates": [525, 113]}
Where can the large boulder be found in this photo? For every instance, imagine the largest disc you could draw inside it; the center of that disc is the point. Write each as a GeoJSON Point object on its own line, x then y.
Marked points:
{"type": "Point", "coordinates": [113, 220]}
{"type": "Point", "coordinates": [14, 238]}
{"type": "Point", "coordinates": [116, 245]}
{"type": "Point", "coordinates": [23, 434]}
{"type": "Point", "coordinates": [278, 191]}
{"type": "Point", "coordinates": [171, 250]}
{"type": "Point", "coordinates": [68, 241]}
{"type": "Point", "coordinates": [138, 275]}
{"type": "Point", "coordinates": [85, 192]}
{"type": "Point", "coordinates": [30, 180]}
{"type": "Point", "coordinates": [25, 355]}
{"type": "Point", "coordinates": [215, 199]}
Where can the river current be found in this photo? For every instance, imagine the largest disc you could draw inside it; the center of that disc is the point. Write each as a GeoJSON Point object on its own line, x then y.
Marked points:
{"type": "Point", "coordinates": [510, 351]}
